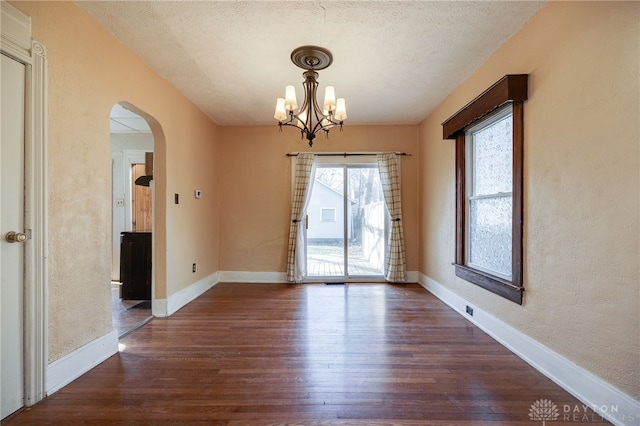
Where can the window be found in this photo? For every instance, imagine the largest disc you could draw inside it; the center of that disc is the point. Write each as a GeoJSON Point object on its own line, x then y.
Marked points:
{"type": "Point", "coordinates": [328, 215]}
{"type": "Point", "coordinates": [489, 195]}
{"type": "Point", "coordinates": [489, 158]}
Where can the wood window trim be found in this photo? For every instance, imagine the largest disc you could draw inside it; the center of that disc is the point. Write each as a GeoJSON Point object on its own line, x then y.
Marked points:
{"type": "Point", "coordinates": [509, 89]}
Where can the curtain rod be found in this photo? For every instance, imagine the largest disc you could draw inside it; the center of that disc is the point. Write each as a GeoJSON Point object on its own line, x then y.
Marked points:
{"type": "Point", "coordinates": [345, 154]}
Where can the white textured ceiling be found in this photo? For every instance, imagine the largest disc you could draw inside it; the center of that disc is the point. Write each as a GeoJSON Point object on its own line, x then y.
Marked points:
{"type": "Point", "coordinates": [124, 121]}
{"type": "Point", "coordinates": [393, 61]}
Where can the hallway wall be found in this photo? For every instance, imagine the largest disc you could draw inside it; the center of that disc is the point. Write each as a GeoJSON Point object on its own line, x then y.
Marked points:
{"type": "Point", "coordinates": [89, 71]}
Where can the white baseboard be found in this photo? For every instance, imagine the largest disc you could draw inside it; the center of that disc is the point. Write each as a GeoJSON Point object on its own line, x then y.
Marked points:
{"type": "Point", "coordinates": [278, 277]}
{"type": "Point", "coordinates": [159, 308]}
{"type": "Point", "coordinates": [412, 276]}
{"type": "Point", "coordinates": [186, 295]}
{"type": "Point", "coordinates": [166, 307]}
{"type": "Point", "coordinates": [71, 366]}
{"type": "Point", "coordinates": [606, 400]}
{"type": "Point", "coordinates": [252, 277]}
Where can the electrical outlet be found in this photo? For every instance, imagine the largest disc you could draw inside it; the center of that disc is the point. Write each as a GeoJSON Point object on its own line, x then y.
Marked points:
{"type": "Point", "coordinates": [193, 268]}
{"type": "Point", "coordinates": [469, 308]}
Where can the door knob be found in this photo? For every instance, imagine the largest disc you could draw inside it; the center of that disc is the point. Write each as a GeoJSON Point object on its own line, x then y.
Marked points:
{"type": "Point", "coordinates": [15, 237]}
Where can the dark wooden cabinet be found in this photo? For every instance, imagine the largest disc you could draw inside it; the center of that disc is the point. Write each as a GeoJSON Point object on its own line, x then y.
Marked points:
{"type": "Point", "coordinates": [135, 265]}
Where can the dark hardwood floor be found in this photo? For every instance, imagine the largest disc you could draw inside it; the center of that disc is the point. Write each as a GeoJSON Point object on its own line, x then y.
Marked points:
{"type": "Point", "coordinates": [124, 316]}
{"type": "Point", "coordinates": [267, 354]}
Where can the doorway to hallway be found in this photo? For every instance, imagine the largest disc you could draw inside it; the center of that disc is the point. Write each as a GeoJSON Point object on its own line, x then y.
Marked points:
{"type": "Point", "coordinates": [132, 145]}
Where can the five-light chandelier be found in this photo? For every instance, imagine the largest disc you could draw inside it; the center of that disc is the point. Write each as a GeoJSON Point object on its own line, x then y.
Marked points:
{"type": "Point", "coordinates": [311, 118]}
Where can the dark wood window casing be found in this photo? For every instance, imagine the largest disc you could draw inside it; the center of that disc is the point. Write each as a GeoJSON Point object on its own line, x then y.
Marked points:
{"type": "Point", "coordinates": [509, 89]}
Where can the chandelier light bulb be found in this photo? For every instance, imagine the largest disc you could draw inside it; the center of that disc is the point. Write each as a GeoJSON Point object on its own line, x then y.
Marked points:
{"type": "Point", "coordinates": [281, 113]}
{"type": "Point", "coordinates": [341, 110]}
{"type": "Point", "coordinates": [290, 100]}
{"type": "Point", "coordinates": [329, 99]}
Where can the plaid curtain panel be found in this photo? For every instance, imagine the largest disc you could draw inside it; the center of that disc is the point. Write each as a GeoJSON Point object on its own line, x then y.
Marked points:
{"type": "Point", "coordinates": [395, 269]}
{"type": "Point", "coordinates": [301, 191]}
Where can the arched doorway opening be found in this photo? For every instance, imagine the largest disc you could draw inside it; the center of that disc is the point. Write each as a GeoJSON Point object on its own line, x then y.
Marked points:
{"type": "Point", "coordinates": [133, 143]}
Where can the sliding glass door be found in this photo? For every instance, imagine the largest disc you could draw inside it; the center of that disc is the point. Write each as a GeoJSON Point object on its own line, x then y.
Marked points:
{"type": "Point", "coordinates": [346, 223]}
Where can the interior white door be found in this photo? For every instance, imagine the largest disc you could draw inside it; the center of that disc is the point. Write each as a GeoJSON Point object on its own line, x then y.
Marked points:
{"type": "Point", "coordinates": [11, 220]}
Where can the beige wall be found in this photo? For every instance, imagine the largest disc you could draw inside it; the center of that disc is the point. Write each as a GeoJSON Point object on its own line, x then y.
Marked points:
{"type": "Point", "coordinates": [89, 71]}
{"type": "Point", "coordinates": [256, 188]}
{"type": "Point", "coordinates": [582, 186]}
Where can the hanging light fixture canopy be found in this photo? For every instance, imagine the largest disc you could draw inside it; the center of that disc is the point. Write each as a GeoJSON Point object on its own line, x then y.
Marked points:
{"type": "Point", "coordinates": [310, 118]}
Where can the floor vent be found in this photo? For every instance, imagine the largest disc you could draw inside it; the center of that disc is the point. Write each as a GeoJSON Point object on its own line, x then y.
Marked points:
{"type": "Point", "coordinates": [333, 283]}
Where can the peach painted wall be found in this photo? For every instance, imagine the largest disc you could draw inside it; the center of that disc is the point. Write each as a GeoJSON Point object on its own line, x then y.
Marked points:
{"type": "Point", "coordinates": [256, 188]}
{"type": "Point", "coordinates": [89, 71]}
{"type": "Point", "coordinates": [582, 186]}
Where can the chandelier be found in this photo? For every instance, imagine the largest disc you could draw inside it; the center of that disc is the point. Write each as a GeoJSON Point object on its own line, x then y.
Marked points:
{"type": "Point", "coordinates": [310, 118]}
